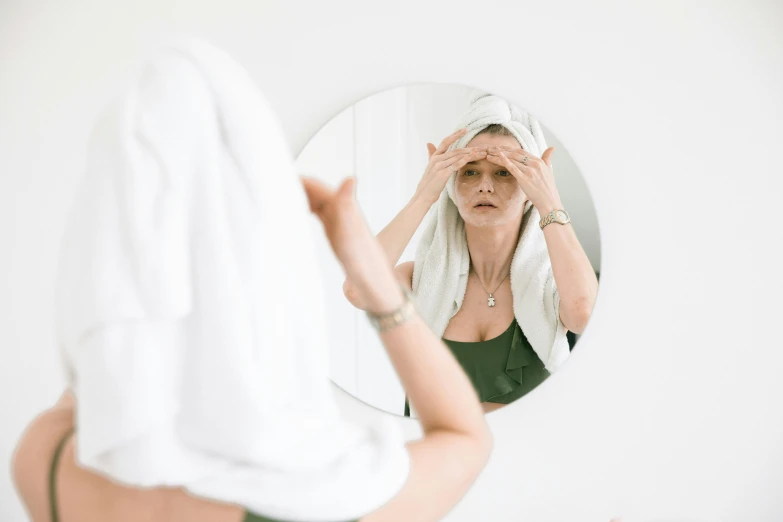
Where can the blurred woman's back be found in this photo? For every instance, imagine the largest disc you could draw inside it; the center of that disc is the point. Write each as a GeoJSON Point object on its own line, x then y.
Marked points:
{"type": "Point", "coordinates": [182, 279]}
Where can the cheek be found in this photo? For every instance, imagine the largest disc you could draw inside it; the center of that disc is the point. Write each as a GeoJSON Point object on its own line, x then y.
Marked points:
{"type": "Point", "coordinates": [461, 191]}
{"type": "Point", "coordinates": [510, 191]}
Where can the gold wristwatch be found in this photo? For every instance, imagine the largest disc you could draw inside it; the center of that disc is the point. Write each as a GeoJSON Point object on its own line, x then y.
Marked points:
{"type": "Point", "coordinates": [556, 216]}
{"type": "Point", "coordinates": [400, 315]}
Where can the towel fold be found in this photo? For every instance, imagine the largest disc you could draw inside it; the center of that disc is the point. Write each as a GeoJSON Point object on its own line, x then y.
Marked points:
{"type": "Point", "coordinates": [190, 311]}
{"type": "Point", "coordinates": [442, 260]}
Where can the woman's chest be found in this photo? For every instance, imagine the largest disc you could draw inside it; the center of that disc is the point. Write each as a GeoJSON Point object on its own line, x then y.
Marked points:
{"type": "Point", "coordinates": [476, 320]}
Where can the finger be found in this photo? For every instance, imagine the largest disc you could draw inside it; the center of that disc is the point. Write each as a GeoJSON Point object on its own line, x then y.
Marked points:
{"type": "Point", "coordinates": [518, 156]}
{"type": "Point", "coordinates": [461, 162]}
{"type": "Point", "coordinates": [447, 159]}
{"type": "Point", "coordinates": [497, 160]}
{"type": "Point", "coordinates": [317, 192]}
{"type": "Point", "coordinates": [506, 148]}
{"type": "Point", "coordinates": [460, 158]}
{"type": "Point", "coordinates": [547, 156]}
{"type": "Point", "coordinates": [503, 160]}
{"type": "Point", "coordinates": [448, 140]}
{"type": "Point", "coordinates": [512, 153]}
{"type": "Point", "coordinates": [430, 149]}
{"type": "Point", "coordinates": [457, 152]}
{"type": "Point", "coordinates": [346, 190]}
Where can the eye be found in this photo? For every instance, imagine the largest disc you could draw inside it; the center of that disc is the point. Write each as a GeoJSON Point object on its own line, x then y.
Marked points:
{"type": "Point", "coordinates": [470, 173]}
{"type": "Point", "coordinates": [503, 173]}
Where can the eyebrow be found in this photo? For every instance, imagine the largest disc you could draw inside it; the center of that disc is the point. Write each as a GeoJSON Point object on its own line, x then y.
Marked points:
{"type": "Point", "coordinates": [499, 167]}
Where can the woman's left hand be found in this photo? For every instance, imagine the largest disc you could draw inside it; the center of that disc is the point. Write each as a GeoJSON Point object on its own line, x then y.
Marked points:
{"type": "Point", "coordinates": [533, 174]}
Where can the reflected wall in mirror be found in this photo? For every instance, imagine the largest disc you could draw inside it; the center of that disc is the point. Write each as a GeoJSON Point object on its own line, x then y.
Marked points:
{"type": "Point", "coordinates": [493, 231]}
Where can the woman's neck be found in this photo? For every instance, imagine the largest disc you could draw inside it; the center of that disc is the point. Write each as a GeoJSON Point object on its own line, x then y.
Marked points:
{"type": "Point", "coordinates": [491, 250]}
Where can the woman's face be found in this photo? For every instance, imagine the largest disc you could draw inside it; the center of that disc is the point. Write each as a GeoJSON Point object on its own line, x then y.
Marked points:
{"type": "Point", "coordinates": [487, 194]}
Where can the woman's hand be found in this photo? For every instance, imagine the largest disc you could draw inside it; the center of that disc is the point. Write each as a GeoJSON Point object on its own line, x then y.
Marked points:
{"type": "Point", "coordinates": [356, 248]}
{"type": "Point", "coordinates": [533, 174]}
{"type": "Point", "coordinates": [443, 163]}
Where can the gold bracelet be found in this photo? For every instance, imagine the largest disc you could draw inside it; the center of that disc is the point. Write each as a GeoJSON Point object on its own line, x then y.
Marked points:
{"type": "Point", "coordinates": [401, 315]}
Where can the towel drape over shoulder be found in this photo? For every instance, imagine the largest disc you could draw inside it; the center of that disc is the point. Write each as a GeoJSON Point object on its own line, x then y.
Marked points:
{"type": "Point", "coordinates": [180, 307]}
{"type": "Point", "coordinates": [442, 261]}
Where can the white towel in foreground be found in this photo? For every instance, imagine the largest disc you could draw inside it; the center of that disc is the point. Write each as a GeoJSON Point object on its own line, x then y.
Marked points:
{"type": "Point", "coordinates": [190, 309]}
{"type": "Point", "coordinates": [442, 261]}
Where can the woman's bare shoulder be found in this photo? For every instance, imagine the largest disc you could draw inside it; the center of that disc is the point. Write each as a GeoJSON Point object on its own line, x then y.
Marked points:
{"type": "Point", "coordinates": [33, 455]}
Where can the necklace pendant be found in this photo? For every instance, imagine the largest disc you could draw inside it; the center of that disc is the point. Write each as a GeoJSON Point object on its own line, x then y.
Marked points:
{"type": "Point", "coordinates": [491, 300]}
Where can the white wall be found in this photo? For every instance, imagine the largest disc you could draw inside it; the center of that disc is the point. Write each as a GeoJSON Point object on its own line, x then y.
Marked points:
{"type": "Point", "coordinates": [670, 409]}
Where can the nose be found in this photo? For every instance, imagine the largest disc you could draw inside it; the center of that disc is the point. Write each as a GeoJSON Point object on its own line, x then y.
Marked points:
{"type": "Point", "coordinates": [485, 186]}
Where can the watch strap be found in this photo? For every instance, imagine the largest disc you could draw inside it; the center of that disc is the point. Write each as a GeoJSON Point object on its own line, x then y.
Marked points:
{"type": "Point", "coordinates": [552, 218]}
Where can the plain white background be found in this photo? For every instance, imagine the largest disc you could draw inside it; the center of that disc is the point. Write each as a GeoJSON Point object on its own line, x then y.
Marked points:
{"type": "Point", "coordinates": [671, 408]}
{"type": "Point", "coordinates": [382, 141]}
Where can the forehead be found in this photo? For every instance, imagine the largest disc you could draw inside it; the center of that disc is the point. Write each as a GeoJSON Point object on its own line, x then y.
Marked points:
{"type": "Point", "coordinates": [493, 140]}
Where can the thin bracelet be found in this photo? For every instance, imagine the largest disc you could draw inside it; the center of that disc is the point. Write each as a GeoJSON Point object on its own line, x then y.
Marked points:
{"type": "Point", "coordinates": [401, 315]}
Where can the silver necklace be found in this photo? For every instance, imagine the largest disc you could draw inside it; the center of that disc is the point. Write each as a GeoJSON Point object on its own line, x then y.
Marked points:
{"type": "Point", "coordinates": [490, 299]}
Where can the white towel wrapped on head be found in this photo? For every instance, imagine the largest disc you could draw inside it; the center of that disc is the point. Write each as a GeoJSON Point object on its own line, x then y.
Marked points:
{"type": "Point", "coordinates": [190, 311]}
{"type": "Point", "coordinates": [442, 261]}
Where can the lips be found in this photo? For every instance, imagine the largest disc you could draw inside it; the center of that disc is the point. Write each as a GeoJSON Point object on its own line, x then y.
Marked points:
{"type": "Point", "coordinates": [486, 204]}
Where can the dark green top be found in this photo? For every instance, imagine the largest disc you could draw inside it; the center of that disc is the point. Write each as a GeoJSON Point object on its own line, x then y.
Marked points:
{"type": "Point", "coordinates": [502, 369]}
{"type": "Point", "coordinates": [53, 515]}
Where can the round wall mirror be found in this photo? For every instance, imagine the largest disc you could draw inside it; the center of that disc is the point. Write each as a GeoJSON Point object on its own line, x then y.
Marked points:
{"type": "Point", "coordinates": [490, 271]}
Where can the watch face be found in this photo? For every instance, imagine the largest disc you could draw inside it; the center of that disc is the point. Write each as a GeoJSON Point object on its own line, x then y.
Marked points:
{"type": "Point", "coordinates": [561, 216]}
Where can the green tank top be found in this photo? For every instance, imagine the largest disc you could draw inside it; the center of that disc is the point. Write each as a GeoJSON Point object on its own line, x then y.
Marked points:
{"type": "Point", "coordinates": [502, 369]}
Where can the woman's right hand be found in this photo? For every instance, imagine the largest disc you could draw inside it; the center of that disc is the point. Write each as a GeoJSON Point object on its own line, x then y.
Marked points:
{"type": "Point", "coordinates": [358, 251]}
{"type": "Point", "coordinates": [443, 163]}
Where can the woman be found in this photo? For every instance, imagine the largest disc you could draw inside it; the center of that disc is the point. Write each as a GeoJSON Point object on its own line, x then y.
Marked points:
{"type": "Point", "coordinates": [195, 391]}
{"type": "Point", "coordinates": [500, 287]}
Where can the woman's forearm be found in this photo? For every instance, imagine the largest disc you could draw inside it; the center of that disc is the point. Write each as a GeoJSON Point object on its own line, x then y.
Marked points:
{"type": "Point", "coordinates": [574, 276]}
{"type": "Point", "coordinates": [457, 442]}
{"type": "Point", "coordinates": [434, 382]}
{"type": "Point", "coordinates": [436, 385]}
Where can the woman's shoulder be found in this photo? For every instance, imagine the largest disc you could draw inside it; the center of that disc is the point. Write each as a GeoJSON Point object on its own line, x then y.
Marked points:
{"type": "Point", "coordinates": [33, 456]}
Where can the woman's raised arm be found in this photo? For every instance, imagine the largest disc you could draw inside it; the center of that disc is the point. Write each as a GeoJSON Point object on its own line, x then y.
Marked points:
{"type": "Point", "coordinates": [456, 442]}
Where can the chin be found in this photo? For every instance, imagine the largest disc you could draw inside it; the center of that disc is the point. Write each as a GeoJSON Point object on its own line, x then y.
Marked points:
{"type": "Point", "coordinates": [487, 220]}
{"type": "Point", "coordinates": [483, 223]}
